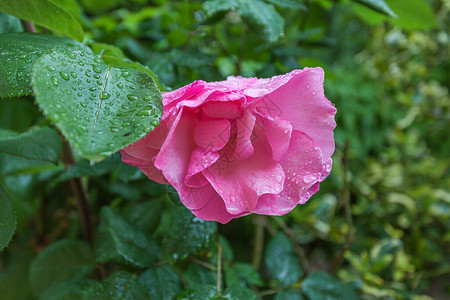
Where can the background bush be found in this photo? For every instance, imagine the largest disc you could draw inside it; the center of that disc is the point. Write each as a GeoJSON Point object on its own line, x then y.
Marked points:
{"type": "Point", "coordinates": [378, 229]}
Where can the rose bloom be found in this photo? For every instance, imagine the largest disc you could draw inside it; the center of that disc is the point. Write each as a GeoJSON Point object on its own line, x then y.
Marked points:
{"type": "Point", "coordinates": [241, 146]}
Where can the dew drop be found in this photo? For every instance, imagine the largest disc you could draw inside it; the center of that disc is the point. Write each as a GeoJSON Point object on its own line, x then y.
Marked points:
{"type": "Point", "coordinates": [155, 122]}
{"type": "Point", "coordinates": [65, 76]}
{"type": "Point", "coordinates": [106, 95]}
{"type": "Point", "coordinates": [132, 97]}
{"type": "Point", "coordinates": [55, 80]}
{"type": "Point", "coordinates": [96, 69]}
{"type": "Point", "coordinates": [73, 74]}
{"type": "Point", "coordinates": [126, 74]}
{"type": "Point", "coordinates": [50, 68]}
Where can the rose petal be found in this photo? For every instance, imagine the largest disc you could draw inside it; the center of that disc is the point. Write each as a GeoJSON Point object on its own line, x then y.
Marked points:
{"type": "Point", "coordinates": [241, 182]}
{"type": "Point", "coordinates": [174, 156]}
{"type": "Point", "coordinates": [302, 102]}
{"type": "Point", "coordinates": [200, 160]}
{"type": "Point", "coordinates": [302, 165]}
{"type": "Point", "coordinates": [222, 110]}
{"type": "Point", "coordinates": [208, 205]}
{"type": "Point", "coordinates": [244, 135]}
{"type": "Point", "coordinates": [212, 134]}
{"type": "Point", "coordinates": [278, 133]}
{"type": "Point", "coordinates": [146, 166]}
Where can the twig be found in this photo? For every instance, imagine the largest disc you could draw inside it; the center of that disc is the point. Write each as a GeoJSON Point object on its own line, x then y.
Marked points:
{"type": "Point", "coordinates": [80, 195]}
{"type": "Point", "coordinates": [219, 267]}
{"type": "Point", "coordinates": [345, 196]}
{"type": "Point", "coordinates": [258, 241]}
{"type": "Point", "coordinates": [202, 263]}
{"type": "Point", "coordinates": [298, 250]}
{"type": "Point", "coordinates": [28, 26]}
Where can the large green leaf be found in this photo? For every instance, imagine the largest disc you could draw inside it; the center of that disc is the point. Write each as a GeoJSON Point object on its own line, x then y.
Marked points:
{"type": "Point", "coordinates": [289, 294]}
{"type": "Point", "coordinates": [322, 286]}
{"type": "Point", "coordinates": [122, 242]}
{"type": "Point", "coordinates": [280, 259]}
{"type": "Point", "coordinates": [46, 13]}
{"type": "Point", "coordinates": [260, 16]}
{"type": "Point", "coordinates": [18, 52]}
{"type": "Point", "coordinates": [199, 291]}
{"type": "Point", "coordinates": [379, 6]}
{"type": "Point", "coordinates": [68, 290]}
{"type": "Point", "coordinates": [40, 144]}
{"type": "Point", "coordinates": [15, 269]}
{"type": "Point", "coordinates": [413, 14]}
{"type": "Point", "coordinates": [120, 285]}
{"type": "Point", "coordinates": [7, 219]}
{"type": "Point", "coordinates": [98, 107]}
{"type": "Point", "coordinates": [162, 282]}
{"type": "Point", "coordinates": [188, 234]}
{"type": "Point", "coordinates": [60, 261]}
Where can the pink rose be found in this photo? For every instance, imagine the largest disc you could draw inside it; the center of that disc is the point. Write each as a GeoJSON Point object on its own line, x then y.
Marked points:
{"type": "Point", "coordinates": [241, 146]}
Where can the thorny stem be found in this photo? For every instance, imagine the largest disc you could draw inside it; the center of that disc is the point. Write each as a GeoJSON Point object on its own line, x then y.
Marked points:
{"type": "Point", "coordinates": [258, 241]}
{"type": "Point", "coordinates": [345, 198]}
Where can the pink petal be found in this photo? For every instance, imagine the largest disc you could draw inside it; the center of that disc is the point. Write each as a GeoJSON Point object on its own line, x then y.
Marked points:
{"type": "Point", "coordinates": [174, 156]}
{"type": "Point", "coordinates": [278, 133]}
{"type": "Point", "coordinates": [244, 135]}
{"type": "Point", "coordinates": [200, 160]}
{"type": "Point", "coordinates": [241, 182]}
{"type": "Point", "coordinates": [205, 203]}
{"type": "Point", "coordinates": [302, 166]}
{"type": "Point", "coordinates": [222, 110]}
{"type": "Point", "coordinates": [146, 166]}
{"type": "Point", "coordinates": [302, 102]}
{"type": "Point", "coordinates": [212, 134]}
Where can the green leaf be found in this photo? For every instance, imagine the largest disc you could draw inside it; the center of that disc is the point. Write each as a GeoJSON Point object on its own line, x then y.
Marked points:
{"type": "Point", "coordinates": [98, 107]}
{"type": "Point", "coordinates": [122, 242]}
{"type": "Point", "coordinates": [60, 261]}
{"type": "Point", "coordinates": [39, 144]}
{"type": "Point", "coordinates": [18, 52]}
{"type": "Point", "coordinates": [162, 282]}
{"type": "Point", "coordinates": [204, 292]}
{"type": "Point", "coordinates": [9, 24]}
{"type": "Point", "coordinates": [289, 294]}
{"type": "Point", "coordinates": [120, 285]}
{"type": "Point", "coordinates": [260, 16]}
{"type": "Point", "coordinates": [197, 274]}
{"type": "Point", "coordinates": [68, 290]}
{"type": "Point", "coordinates": [379, 6]}
{"type": "Point", "coordinates": [45, 13]}
{"type": "Point", "coordinates": [83, 168]}
{"type": "Point", "coordinates": [413, 14]}
{"type": "Point", "coordinates": [188, 234]}
{"type": "Point", "coordinates": [112, 56]}
{"type": "Point", "coordinates": [237, 292]}
{"type": "Point", "coordinates": [15, 269]}
{"type": "Point", "coordinates": [7, 219]}
{"type": "Point", "coordinates": [295, 4]}
{"type": "Point", "coordinates": [322, 286]}
{"type": "Point", "coordinates": [242, 274]}
{"type": "Point", "coordinates": [145, 215]}
{"type": "Point", "coordinates": [280, 259]}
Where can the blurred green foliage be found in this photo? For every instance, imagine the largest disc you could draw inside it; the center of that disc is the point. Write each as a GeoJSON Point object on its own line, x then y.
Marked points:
{"type": "Point", "coordinates": [378, 229]}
